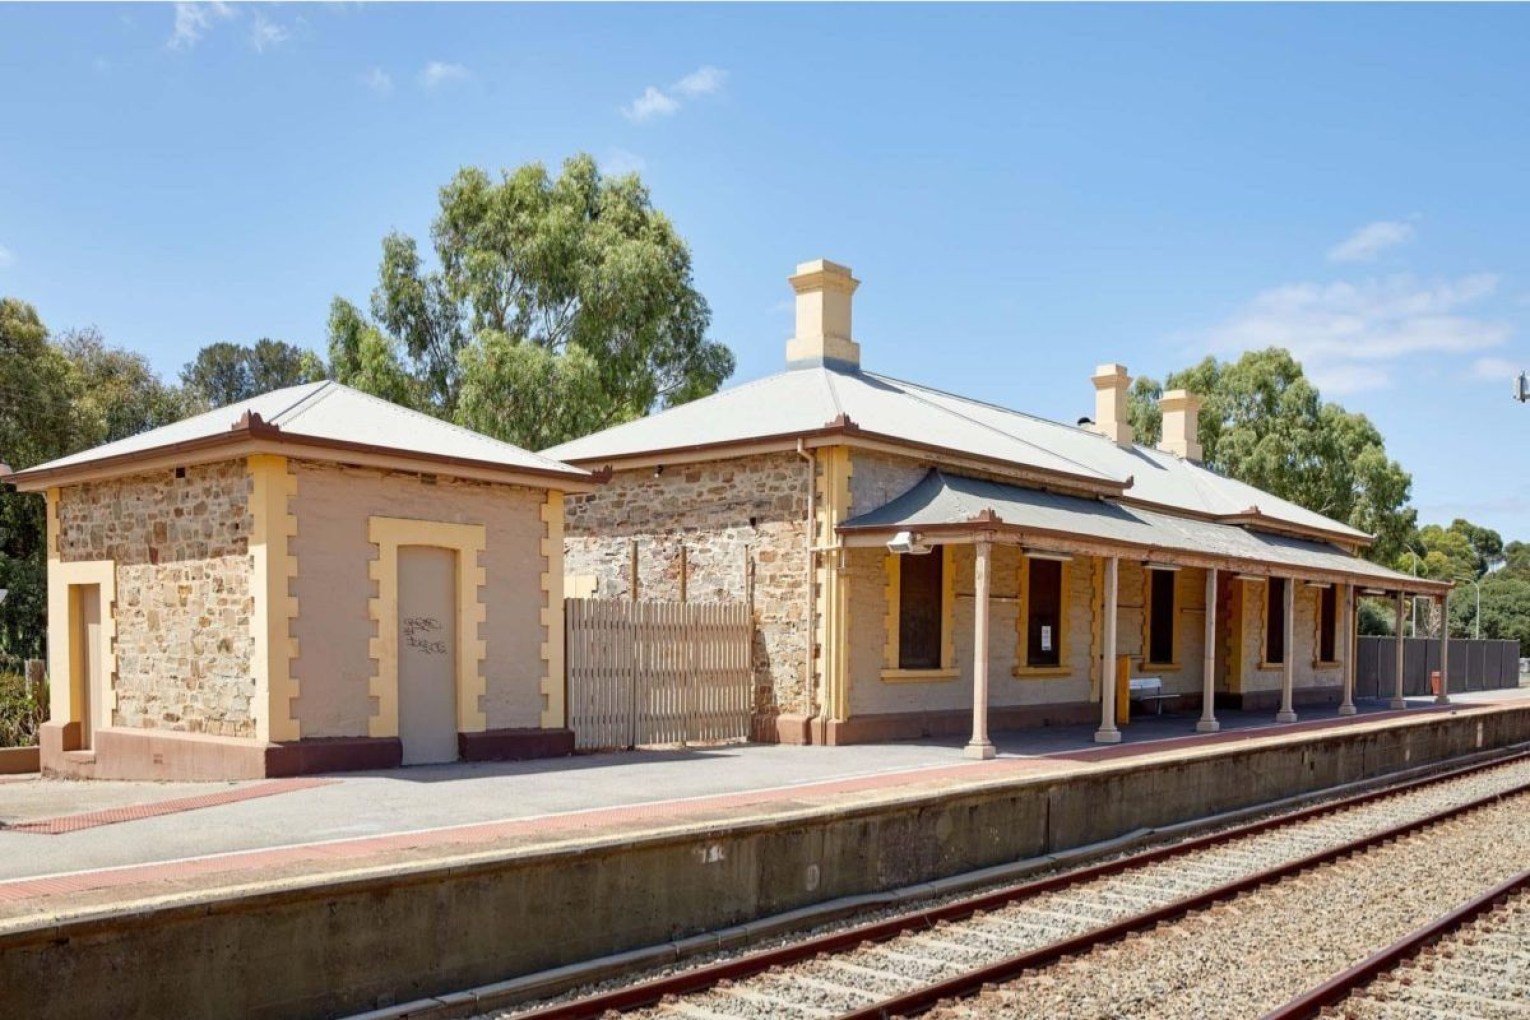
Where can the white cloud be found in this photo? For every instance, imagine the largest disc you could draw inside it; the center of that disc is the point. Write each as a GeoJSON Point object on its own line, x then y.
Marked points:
{"type": "Point", "coordinates": [656, 102]}
{"type": "Point", "coordinates": [1371, 240]}
{"type": "Point", "coordinates": [265, 33]}
{"type": "Point", "coordinates": [378, 81]}
{"type": "Point", "coordinates": [703, 81]}
{"type": "Point", "coordinates": [652, 103]}
{"type": "Point", "coordinates": [1496, 368]}
{"type": "Point", "coordinates": [194, 20]}
{"type": "Point", "coordinates": [438, 73]}
{"type": "Point", "coordinates": [1351, 336]}
{"type": "Point", "coordinates": [7, 257]}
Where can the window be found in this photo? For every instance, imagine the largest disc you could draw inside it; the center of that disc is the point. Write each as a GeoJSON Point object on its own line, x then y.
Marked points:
{"type": "Point", "coordinates": [1275, 620]}
{"type": "Point", "coordinates": [1161, 617]}
{"type": "Point", "coordinates": [921, 592]}
{"type": "Point", "coordinates": [1043, 612]}
{"type": "Point", "coordinates": [1328, 624]}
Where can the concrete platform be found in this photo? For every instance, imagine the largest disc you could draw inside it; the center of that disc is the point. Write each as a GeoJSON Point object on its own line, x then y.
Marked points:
{"type": "Point", "coordinates": [309, 900]}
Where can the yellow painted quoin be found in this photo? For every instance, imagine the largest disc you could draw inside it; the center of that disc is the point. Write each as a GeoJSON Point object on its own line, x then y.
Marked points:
{"type": "Point", "coordinates": [467, 540]}
{"type": "Point", "coordinates": [274, 649]}
{"type": "Point", "coordinates": [67, 696]}
{"type": "Point", "coordinates": [833, 631]}
{"type": "Point", "coordinates": [554, 691]}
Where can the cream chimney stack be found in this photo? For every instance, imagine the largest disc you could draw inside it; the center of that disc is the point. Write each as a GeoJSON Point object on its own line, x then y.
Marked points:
{"type": "Point", "coordinates": [1110, 385]}
{"type": "Point", "coordinates": [1181, 424]}
{"type": "Point", "coordinates": [824, 292]}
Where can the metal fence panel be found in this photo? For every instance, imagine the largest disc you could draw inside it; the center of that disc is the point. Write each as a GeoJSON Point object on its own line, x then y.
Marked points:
{"type": "Point", "coordinates": [1483, 665]}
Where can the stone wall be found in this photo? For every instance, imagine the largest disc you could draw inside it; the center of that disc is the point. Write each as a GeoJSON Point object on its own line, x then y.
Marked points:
{"type": "Point", "coordinates": [181, 546]}
{"type": "Point", "coordinates": [732, 518]}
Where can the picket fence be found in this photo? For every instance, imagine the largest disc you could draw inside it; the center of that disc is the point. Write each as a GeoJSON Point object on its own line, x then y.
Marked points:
{"type": "Point", "coordinates": [646, 673]}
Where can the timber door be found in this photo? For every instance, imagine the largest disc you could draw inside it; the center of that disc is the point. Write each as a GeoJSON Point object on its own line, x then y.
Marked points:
{"type": "Point", "coordinates": [427, 654]}
{"type": "Point", "coordinates": [85, 657]}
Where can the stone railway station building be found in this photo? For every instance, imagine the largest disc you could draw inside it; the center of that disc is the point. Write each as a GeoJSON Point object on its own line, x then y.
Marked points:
{"type": "Point", "coordinates": [316, 579]}
{"type": "Point", "coordinates": [920, 563]}
{"type": "Point", "coordinates": [312, 580]}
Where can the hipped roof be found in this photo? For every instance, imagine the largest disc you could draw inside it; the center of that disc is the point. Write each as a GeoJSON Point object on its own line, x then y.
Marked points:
{"type": "Point", "coordinates": [948, 504]}
{"type": "Point", "coordinates": [822, 400]}
{"type": "Point", "coordinates": [322, 420]}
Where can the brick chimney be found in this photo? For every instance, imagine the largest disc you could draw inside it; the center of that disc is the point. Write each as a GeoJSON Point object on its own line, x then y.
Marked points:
{"type": "Point", "coordinates": [1181, 425]}
{"type": "Point", "coordinates": [824, 292]}
{"type": "Point", "coordinates": [1110, 385]}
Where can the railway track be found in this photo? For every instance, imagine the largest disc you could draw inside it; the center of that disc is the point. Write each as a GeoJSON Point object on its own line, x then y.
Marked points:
{"type": "Point", "coordinates": [916, 962]}
{"type": "Point", "coordinates": [1474, 962]}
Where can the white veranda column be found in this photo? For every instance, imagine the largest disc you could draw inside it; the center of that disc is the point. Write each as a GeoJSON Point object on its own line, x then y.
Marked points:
{"type": "Point", "coordinates": [1351, 641]}
{"type": "Point", "coordinates": [1398, 701]}
{"type": "Point", "coordinates": [1443, 698]}
{"type": "Point", "coordinates": [1107, 733]}
{"type": "Point", "coordinates": [1287, 711]}
{"type": "Point", "coordinates": [980, 746]}
{"type": "Point", "coordinates": [1208, 721]}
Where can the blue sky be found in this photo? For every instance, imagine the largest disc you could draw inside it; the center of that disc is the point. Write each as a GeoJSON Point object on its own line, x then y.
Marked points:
{"type": "Point", "coordinates": [1024, 191]}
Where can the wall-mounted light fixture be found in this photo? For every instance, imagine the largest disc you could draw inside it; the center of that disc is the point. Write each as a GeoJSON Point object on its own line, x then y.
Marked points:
{"type": "Point", "coordinates": [1042, 554]}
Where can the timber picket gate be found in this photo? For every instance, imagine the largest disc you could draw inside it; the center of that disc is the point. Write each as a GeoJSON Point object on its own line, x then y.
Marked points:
{"type": "Point", "coordinates": [658, 672]}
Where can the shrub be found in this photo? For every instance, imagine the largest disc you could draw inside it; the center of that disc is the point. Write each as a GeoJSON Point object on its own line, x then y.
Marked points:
{"type": "Point", "coordinates": [22, 710]}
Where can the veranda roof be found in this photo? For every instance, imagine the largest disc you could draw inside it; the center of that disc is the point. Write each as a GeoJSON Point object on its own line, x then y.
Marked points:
{"type": "Point", "coordinates": [950, 505]}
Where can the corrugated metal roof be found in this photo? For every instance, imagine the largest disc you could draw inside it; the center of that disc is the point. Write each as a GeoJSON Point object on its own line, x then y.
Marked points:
{"type": "Point", "coordinates": [942, 499]}
{"type": "Point", "coordinates": [803, 400]}
{"type": "Point", "coordinates": [332, 413]}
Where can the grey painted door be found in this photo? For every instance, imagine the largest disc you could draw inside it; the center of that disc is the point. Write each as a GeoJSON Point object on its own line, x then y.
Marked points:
{"type": "Point", "coordinates": [427, 653]}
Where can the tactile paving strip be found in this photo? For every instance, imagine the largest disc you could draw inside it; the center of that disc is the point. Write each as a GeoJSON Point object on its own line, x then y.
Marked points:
{"type": "Point", "coordinates": [111, 816]}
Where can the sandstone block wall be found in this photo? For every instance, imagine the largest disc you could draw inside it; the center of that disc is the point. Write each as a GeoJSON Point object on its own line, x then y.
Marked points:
{"type": "Point", "coordinates": [733, 519]}
{"type": "Point", "coordinates": [181, 547]}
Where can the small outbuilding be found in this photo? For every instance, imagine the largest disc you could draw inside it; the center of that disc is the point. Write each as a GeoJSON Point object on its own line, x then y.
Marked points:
{"type": "Point", "coordinates": [312, 580]}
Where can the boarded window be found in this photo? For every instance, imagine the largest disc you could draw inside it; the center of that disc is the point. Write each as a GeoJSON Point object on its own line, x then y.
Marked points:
{"type": "Point", "coordinates": [1161, 625]}
{"type": "Point", "coordinates": [1275, 620]}
{"type": "Point", "coordinates": [1044, 603]}
{"type": "Point", "coordinates": [921, 587]}
{"type": "Point", "coordinates": [1328, 624]}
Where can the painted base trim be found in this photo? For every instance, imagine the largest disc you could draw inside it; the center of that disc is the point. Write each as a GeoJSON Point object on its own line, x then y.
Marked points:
{"type": "Point", "coordinates": [333, 754]}
{"type": "Point", "coordinates": [1269, 701]}
{"type": "Point", "coordinates": [515, 744]}
{"type": "Point", "coordinates": [875, 729]}
{"type": "Point", "coordinates": [163, 755]}
{"type": "Point", "coordinates": [15, 761]}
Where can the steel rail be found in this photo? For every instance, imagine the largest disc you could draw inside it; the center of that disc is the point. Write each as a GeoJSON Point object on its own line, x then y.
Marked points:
{"type": "Point", "coordinates": [699, 979]}
{"type": "Point", "coordinates": [971, 982]}
{"type": "Point", "coordinates": [1338, 988]}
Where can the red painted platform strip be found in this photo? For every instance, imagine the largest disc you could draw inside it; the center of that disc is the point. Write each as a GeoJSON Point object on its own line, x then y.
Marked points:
{"type": "Point", "coordinates": [460, 837]}
{"type": "Point", "coordinates": [133, 812]}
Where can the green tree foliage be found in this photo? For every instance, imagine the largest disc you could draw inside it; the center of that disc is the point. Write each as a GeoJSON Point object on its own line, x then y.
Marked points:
{"type": "Point", "coordinates": [58, 395]}
{"type": "Point", "coordinates": [1263, 422]}
{"type": "Point", "coordinates": [225, 373]}
{"type": "Point", "coordinates": [1463, 550]}
{"type": "Point", "coordinates": [560, 306]}
{"type": "Point", "coordinates": [116, 393]}
{"type": "Point", "coordinates": [37, 386]}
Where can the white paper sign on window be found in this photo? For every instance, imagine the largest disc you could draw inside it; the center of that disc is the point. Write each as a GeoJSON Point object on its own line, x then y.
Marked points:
{"type": "Point", "coordinates": [1046, 638]}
